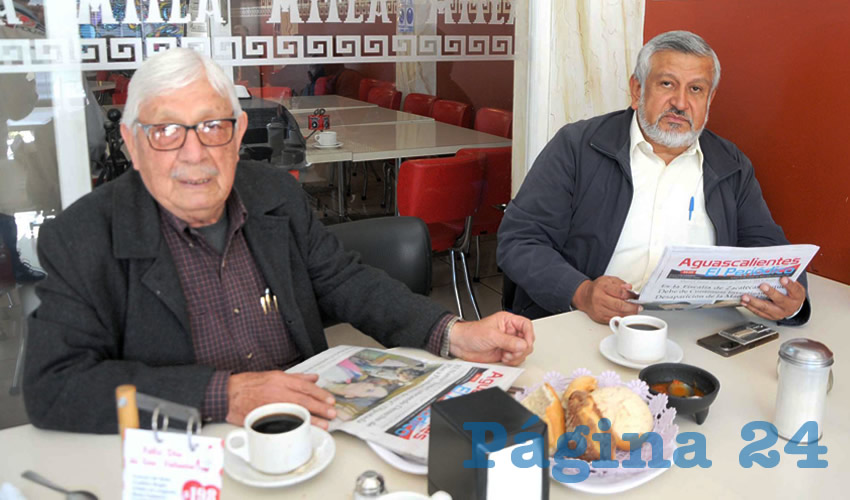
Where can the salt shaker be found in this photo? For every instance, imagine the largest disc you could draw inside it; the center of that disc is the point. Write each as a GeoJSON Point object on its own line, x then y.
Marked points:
{"type": "Point", "coordinates": [803, 378]}
{"type": "Point", "coordinates": [369, 486]}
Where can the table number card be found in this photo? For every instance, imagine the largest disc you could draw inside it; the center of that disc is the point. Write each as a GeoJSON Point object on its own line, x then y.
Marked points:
{"type": "Point", "coordinates": [162, 465]}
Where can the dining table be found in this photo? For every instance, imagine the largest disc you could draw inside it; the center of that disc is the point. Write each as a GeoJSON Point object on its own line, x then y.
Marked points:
{"type": "Point", "coordinates": [564, 343]}
{"type": "Point", "coordinates": [398, 140]}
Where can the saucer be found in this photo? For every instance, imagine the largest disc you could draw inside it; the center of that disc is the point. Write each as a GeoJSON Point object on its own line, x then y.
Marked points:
{"type": "Point", "coordinates": [329, 146]}
{"type": "Point", "coordinates": [397, 461]}
{"type": "Point", "coordinates": [324, 449]}
{"type": "Point", "coordinates": [608, 348]}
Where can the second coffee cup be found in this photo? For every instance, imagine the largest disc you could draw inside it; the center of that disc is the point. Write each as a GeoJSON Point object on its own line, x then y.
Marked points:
{"type": "Point", "coordinates": [327, 138]}
{"type": "Point", "coordinates": [640, 338]}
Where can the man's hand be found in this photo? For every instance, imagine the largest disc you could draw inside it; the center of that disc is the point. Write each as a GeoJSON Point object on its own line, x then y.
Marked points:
{"type": "Point", "coordinates": [246, 391]}
{"type": "Point", "coordinates": [780, 306]}
{"type": "Point", "coordinates": [604, 298]}
{"type": "Point", "coordinates": [499, 337]}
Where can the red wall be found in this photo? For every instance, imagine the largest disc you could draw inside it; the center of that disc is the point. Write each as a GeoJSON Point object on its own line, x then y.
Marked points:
{"type": "Point", "coordinates": [784, 99]}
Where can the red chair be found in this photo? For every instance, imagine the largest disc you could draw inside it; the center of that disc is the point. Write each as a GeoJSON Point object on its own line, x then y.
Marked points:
{"type": "Point", "coordinates": [419, 104]}
{"type": "Point", "coordinates": [385, 97]}
{"type": "Point", "coordinates": [366, 85]}
{"type": "Point", "coordinates": [119, 95]}
{"type": "Point", "coordinates": [276, 93]}
{"type": "Point", "coordinates": [321, 87]}
{"type": "Point", "coordinates": [452, 112]}
{"type": "Point", "coordinates": [444, 192]}
{"type": "Point", "coordinates": [497, 192]}
{"type": "Point", "coordinates": [494, 121]}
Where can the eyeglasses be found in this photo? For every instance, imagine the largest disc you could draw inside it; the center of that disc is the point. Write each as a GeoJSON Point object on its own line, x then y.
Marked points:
{"type": "Point", "coordinates": [171, 136]}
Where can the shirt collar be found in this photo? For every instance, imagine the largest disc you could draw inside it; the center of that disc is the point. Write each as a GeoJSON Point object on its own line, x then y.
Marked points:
{"type": "Point", "coordinates": [639, 141]}
{"type": "Point", "coordinates": [236, 213]}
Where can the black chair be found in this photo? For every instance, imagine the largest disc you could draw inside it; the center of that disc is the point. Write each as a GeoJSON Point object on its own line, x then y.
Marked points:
{"type": "Point", "coordinates": [508, 293]}
{"type": "Point", "coordinates": [401, 246]}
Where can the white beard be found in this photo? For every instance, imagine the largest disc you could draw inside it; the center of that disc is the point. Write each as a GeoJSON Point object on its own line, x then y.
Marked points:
{"type": "Point", "coordinates": [668, 138]}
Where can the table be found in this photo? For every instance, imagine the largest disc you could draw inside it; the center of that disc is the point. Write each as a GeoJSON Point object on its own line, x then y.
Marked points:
{"type": "Point", "coordinates": [361, 116]}
{"type": "Point", "coordinates": [399, 140]}
{"type": "Point", "coordinates": [564, 342]}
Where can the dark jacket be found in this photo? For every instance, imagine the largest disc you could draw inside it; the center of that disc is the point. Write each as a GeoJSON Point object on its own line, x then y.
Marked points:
{"type": "Point", "coordinates": [564, 224]}
{"type": "Point", "coordinates": [113, 312]}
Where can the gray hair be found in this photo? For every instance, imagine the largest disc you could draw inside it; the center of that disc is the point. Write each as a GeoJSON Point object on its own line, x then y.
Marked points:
{"type": "Point", "coordinates": [684, 42]}
{"type": "Point", "coordinates": [172, 70]}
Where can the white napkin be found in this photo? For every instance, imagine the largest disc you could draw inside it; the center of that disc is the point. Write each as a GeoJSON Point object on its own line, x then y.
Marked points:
{"type": "Point", "coordinates": [8, 491]}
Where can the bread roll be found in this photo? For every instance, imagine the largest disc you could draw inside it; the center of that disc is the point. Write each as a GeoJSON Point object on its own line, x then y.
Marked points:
{"type": "Point", "coordinates": [544, 403]}
{"type": "Point", "coordinates": [626, 410]}
{"type": "Point", "coordinates": [582, 410]}
{"type": "Point", "coordinates": [584, 383]}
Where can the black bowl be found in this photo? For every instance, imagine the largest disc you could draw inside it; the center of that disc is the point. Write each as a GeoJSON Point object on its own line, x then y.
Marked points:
{"type": "Point", "coordinates": [696, 406]}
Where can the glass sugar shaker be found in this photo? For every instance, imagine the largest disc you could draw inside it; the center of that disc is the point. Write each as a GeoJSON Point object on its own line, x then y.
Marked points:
{"type": "Point", "coordinates": [369, 486]}
{"type": "Point", "coordinates": [804, 368]}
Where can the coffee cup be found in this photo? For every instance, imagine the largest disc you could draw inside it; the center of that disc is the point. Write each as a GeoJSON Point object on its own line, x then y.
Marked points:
{"type": "Point", "coordinates": [640, 338]}
{"type": "Point", "coordinates": [327, 138]}
{"type": "Point", "coordinates": [275, 438]}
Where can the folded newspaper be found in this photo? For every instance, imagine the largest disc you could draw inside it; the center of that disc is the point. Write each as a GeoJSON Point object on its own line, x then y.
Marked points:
{"type": "Point", "coordinates": [386, 398]}
{"type": "Point", "coordinates": [690, 277]}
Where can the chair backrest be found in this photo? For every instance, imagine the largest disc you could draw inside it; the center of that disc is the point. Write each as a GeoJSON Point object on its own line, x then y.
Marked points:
{"type": "Point", "coordinates": [419, 104]}
{"type": "Point", "coordinates": [452, 112]}
{"type": "Point", "coordinates": [119, 95]}
{"type": "Point", "coordinates": [440, 189]}
{"type": "Point", "coordinates": [385, 97]}
{"type": "Point", "coordinates": [366, 84]}
{"type": "Point", "coordinates": [494, 121]}
{"type": "Point", "coordinates": [276, 93]}
{"type": "Point", "coordinates": [401, 246]}
{"type": "Point", "coordinates": [321, 87]}
{"type": "Point", "coordinates": [497, 174]}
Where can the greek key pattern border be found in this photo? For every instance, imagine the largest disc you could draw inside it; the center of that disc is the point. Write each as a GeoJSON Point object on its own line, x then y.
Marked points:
{"type": "Point", "coordinates": [23, 55]}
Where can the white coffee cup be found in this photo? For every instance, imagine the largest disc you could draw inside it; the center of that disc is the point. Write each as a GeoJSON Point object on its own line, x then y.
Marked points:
{"type": "Point", "coordinates": [327, 138]}
{"type": "Point", "coordinates": [277, 450]}
{"type": "Point", "coordinates": [640, 338]}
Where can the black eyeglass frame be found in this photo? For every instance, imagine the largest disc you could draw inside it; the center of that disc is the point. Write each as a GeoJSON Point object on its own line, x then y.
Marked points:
{"type": "Point", "coordinates": [147, 127]}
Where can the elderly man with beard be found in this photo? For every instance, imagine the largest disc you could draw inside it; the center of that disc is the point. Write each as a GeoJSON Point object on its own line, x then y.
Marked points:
{"type": "Point", "coordinates": [156, 278]}
{"type": "Point", "coordinates": [606, 195]}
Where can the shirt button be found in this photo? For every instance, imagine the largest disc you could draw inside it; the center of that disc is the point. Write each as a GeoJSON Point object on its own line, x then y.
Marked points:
{"type": "Point", "coordinates": [235, 310]}
{"type": "Point", "coordinates": [191, 245]}
{"type": "Point", "coordinates": [249, 355]}
{"type": "Point", "coordinates": [222, 264]}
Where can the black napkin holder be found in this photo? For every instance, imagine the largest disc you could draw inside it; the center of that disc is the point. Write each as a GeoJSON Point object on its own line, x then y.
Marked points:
{"type": "Point", "coordinates": [450, 445]}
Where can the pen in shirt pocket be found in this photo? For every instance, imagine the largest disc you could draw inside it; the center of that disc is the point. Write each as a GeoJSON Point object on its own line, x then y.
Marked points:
{"type": "Point", "coordinates": [268, 301]}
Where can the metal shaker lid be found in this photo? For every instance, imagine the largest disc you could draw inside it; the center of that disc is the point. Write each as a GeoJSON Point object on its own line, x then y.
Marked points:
{"type": "Point", "coordinates": [370, 484]}
{"type": "Point", "coordinates": [806, 352]}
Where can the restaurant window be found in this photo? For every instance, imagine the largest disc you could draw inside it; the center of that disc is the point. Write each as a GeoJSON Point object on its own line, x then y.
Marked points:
{"type": "Point", "coordinates": [64, 65]}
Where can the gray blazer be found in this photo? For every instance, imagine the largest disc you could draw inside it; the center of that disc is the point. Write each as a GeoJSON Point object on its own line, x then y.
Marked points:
{"type": "Point", "coordinates": [564, 224]}
{"type": "Point", "coordinates": [113, 312]}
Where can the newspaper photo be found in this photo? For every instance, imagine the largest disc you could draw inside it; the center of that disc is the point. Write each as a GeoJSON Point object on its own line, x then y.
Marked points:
{"type": "Point", "coordinates": [689, 277]}
{"type": "Point", "coordinates": [386, 398]}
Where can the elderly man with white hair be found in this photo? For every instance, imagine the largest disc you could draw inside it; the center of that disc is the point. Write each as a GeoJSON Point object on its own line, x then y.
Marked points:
{"type": "Point", "coordinates": [155, 279]}
{"type": "Point", "coordinates": [606, 195]}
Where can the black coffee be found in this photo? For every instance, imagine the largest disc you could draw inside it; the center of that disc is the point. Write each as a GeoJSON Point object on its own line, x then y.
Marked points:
{"type": "Point", "coordinates": [643, 326]}
{"type": "Point", "coordinates": [277, 423]}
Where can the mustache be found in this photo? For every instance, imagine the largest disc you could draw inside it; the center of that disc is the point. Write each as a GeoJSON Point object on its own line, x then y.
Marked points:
{"type": "Point", "coordinates": [187, 172]}
{"type": "Point", "coordinates": [676, 112]}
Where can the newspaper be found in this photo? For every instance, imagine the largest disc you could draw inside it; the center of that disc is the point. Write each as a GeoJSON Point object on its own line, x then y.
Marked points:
{"type": "Point", "coordinates": [386, 398]}
{"type": "Point", "coordinates": [690, 277]}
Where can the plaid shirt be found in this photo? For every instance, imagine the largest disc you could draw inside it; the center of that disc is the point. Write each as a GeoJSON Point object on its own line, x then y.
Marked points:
{"type": "Point", "coordinates": [230, 331]}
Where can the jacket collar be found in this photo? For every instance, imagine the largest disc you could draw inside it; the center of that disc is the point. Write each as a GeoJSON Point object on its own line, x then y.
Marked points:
{"type": "Point", "coordinates": [612, 139]}
{"type": "Point", "coordinates": [135, 221]}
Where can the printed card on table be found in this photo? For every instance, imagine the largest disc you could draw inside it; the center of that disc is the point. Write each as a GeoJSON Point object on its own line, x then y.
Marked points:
{"type": "Point", "coordinates": [169, 469]}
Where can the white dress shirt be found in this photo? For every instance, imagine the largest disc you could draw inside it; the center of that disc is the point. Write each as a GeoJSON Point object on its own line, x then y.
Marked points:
{"type": "Point", "coordinates": [660, 213]}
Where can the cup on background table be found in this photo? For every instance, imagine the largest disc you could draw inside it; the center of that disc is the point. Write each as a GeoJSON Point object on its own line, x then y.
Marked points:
{"type": "Point", "coordinates": [327, 138]}
{"type": "Point", "coordinates": [640, 338]}
{"type": "Point", "coordinates": [275, 438]}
